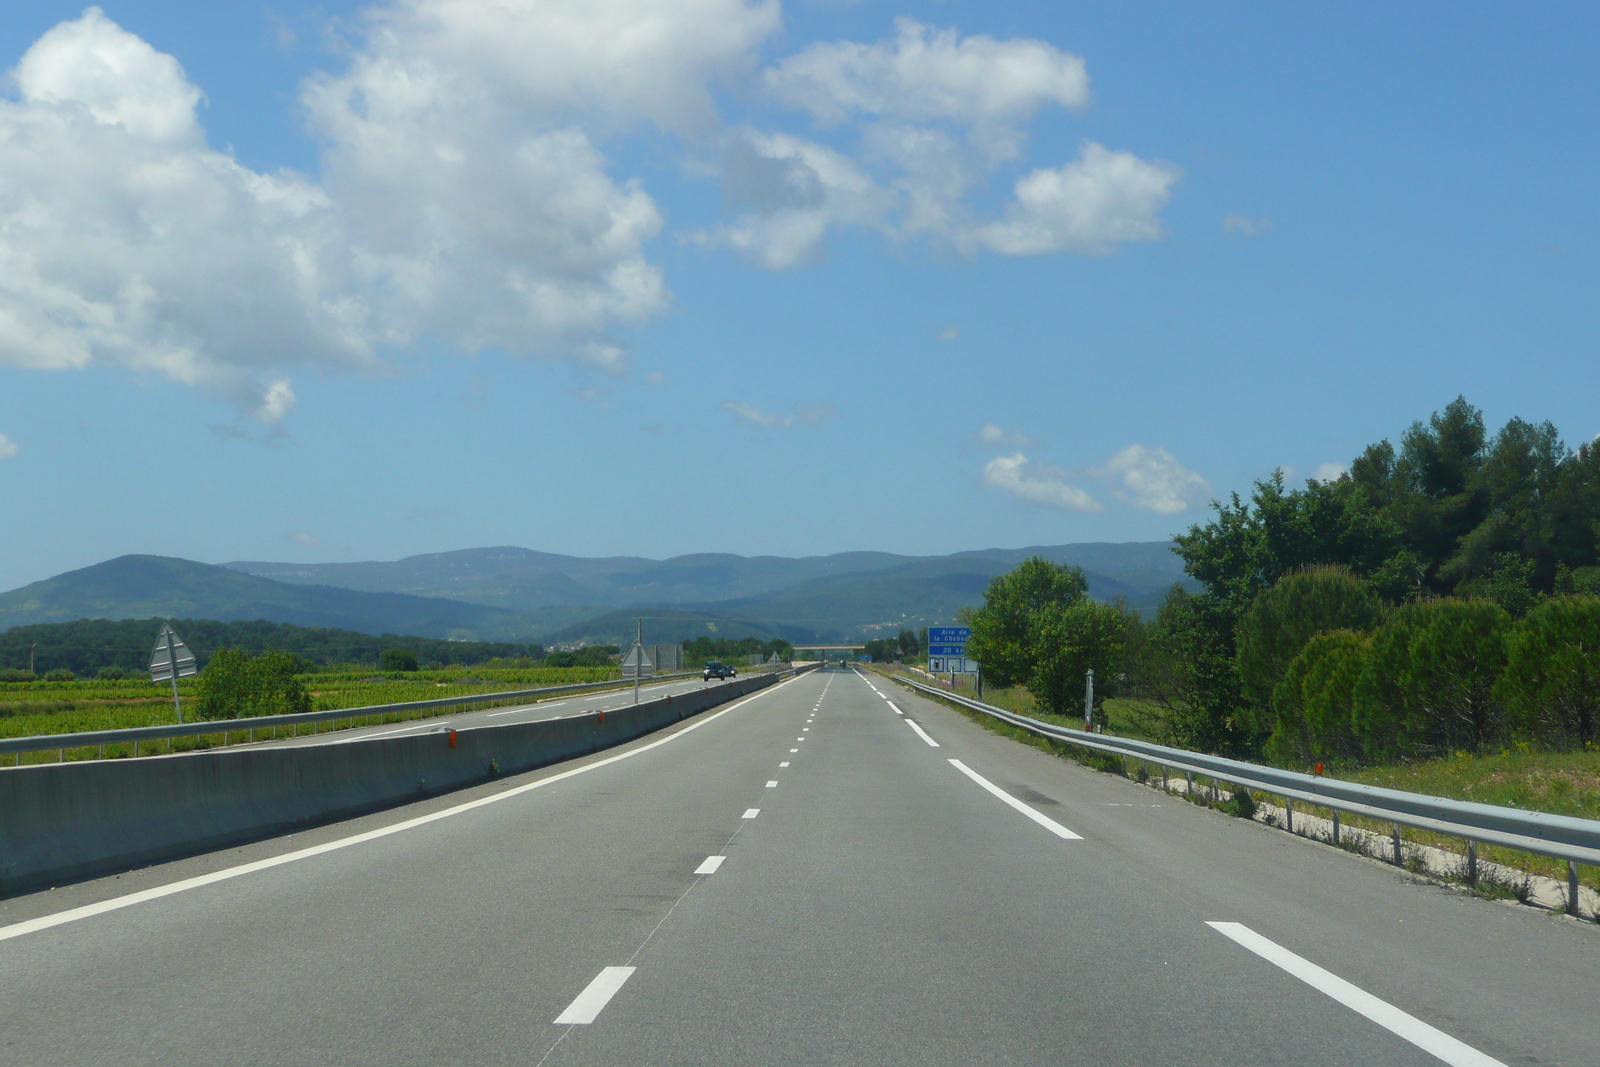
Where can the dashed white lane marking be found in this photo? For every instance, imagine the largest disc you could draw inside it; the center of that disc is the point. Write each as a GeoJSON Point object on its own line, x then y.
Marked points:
{"type": "Point", "coordinates": [750, 813]}
{"type": "Point", "coordinates": [595, 997]}
{"type": "Point", "coordinates": [897, 711]}
{"type": "Point", "coordinates": [922, 733]}
{"type": "Point", "coordinates": [792, 751]}
{"type": "Point", "coordinates": [785, 763]}
{"type": "Point", "coordinates": [710, 865]}
{"type": "Point", "coordinates": [1043, 820]}
{"type": "Point", "coordinates": [772, 785]}
{"type": "Point", "coordinates": [45, 922]}
{"type": "Point", "coordinates": [1429, 1039]}
{"type": "Point", "coordinates": [535, 707]}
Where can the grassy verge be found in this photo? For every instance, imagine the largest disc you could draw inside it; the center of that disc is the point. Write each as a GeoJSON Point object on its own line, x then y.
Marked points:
{"type": "Point", "coordinates": [31, 708]}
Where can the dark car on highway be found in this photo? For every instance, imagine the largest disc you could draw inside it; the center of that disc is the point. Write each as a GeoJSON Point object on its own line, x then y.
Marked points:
{"type": "Point", "coordinates": [717, 669]}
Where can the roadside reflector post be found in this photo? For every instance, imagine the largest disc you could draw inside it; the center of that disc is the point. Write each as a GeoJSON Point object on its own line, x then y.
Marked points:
{"type": "Point", "coordinates": [1088, 700]}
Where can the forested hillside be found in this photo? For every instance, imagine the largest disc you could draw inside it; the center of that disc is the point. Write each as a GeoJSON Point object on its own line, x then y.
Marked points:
{"type": "Point", "coordinates": [87, 646]}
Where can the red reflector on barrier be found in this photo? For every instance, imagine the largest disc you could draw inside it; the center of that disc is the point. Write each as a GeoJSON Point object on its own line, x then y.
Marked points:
{"type": "Point", "coordinates": [601, 717]}
{"type": "Point", "coordinates": [452, 739]}
{"type": "Point", "coordinates": [1319, 768]}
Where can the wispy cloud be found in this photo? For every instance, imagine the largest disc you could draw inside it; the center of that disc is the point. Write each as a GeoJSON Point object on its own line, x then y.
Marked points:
{"type": "Point", "coordinates": [800, 416]}
{"type": "Point", "coordinates": [949, 333]}
{"type": "Point", "coordinates": [304, 539]}
{"type": "Point", "coordinates": [1329, 472]}
{"type": "Point", "coordinates": [999, 437]}
{"type": "Point", "coordinates": [8, 447]}
{"type": "Point", "coordinates": [1037, 483]}
{"type": "Point", "coordinates": [1244, 226]}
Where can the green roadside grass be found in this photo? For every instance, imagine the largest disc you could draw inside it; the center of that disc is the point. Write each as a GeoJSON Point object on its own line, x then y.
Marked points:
{"type": "Point", "coordinates": [29, 709]}
{"type": "Point", "coordinates": [1557, 783]}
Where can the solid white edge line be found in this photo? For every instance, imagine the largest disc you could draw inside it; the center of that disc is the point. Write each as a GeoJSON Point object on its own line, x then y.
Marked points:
{"type": "Point", "coordinates": [45, 922]}
{"type": "Point", "coordinates": [595, 996]}
{"type": "Point", "coordinates": [1043, 820]}
{"type": "Point", "coordinates": [1428, 1038]}
{"type": "Point", "coordinates": [710, 865]}
{"type": "Point", "coordinates": [922, 733]}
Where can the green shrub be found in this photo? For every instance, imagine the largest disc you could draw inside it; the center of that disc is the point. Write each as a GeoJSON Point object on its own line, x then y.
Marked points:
{"type": "Point", "coordinates": [1430, 681]}
{"type": "Point", "coordinates": [60, 674]}
{"type": "Point", "coordinates": [1279, 622]}
{"type": "Point", "coordinates": [234, 685]}
{"type": "Point", "coordinates": [110, 674]}
{"type": "Point", "coordinates": [397, 659]}
{"type": "Point", "coordinates": [9, 674]}
{"type": "Point", "coordinates": [1315, 700]}
{"type": "Point", "coordinates": [1552, 678]}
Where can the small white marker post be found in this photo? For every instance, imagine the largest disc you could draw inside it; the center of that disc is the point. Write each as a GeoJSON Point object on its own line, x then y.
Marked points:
{"type": "Point", "coordinates": [1088, 700]}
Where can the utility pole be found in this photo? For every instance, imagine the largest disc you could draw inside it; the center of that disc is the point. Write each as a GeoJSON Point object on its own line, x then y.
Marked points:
{"type": "Point", "coordinates": [638, 642]}
{"type": "Point", "coordinates": [1088, 700]}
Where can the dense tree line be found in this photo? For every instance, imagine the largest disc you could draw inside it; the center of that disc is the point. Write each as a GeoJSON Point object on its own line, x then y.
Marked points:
{"type": "Point", "coordinates": [89, 646]}
{"type": "Point", "coordinates": [1440, 596]}
{"type": "Point", "coordinates": [905, 646]}
{"type": "Point", "coordinates": [703, 648]}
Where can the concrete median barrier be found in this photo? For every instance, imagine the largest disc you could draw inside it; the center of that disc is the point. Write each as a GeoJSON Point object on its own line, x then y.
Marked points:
{"type": "Point", "coordinates": [62, 822]}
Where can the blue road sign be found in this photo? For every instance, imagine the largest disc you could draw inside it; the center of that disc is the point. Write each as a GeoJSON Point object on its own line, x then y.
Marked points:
{"type": "Point", "coordinates": [948, 640]}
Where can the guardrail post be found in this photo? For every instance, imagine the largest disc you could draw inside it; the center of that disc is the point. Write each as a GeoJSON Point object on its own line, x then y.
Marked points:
{"type": "Point", "coordinates": [1399, 855]}
{"type": "Point", "coordinates": [1188, 782]}
{"type": "Point", "coordinates": [1572, 888]}
{"type": "Point", "coordinates": [1336, 826]}
{"type": "Point", "coordinates": [1163, 777]}
{"type": "Point", "coordinates": [1288, 814]}
{"type": "Point", "coordinates": [1472, 863]}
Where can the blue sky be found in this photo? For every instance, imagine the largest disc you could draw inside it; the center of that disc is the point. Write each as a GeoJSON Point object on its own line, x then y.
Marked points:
{"type": "Point", "coordinates": [342, 282]}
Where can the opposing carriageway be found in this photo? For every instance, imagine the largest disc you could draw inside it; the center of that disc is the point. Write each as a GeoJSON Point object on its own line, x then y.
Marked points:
{"type": "Point", "coordinates": [818, 873]}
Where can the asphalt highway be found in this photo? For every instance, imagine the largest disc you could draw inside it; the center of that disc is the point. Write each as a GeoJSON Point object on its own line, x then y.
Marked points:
{"type": "Point", "coordinates": [830, 871]}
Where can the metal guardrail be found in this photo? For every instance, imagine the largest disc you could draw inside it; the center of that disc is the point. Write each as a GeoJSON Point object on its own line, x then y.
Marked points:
{"type": "Point", "coordinates": [136, 734]}
{"type": "Point", "coordinates": [1562, 836]}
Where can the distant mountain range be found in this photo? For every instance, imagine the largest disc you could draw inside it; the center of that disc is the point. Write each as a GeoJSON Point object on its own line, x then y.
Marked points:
{"type": "Point", "coordinates": [517, 594]}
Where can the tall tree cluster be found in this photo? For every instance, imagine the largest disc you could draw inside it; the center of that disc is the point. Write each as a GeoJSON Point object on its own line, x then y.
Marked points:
{"type": "Point", "coordinates": [1439, 596]}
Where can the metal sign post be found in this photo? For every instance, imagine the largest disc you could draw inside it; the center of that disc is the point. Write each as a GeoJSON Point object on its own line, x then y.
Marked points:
{"type": "Point", "coordinates": [170, 661]}
{"type": "Point", "coordinates": [636, 663]}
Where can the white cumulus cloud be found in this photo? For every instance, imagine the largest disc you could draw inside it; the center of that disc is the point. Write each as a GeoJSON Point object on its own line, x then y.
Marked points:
{"type": "Point", "coordinates": [1153, 479]}
{"type": "Point", "coordinates": [1037, 483]}
{"type": "Point", "coordinates": [1088, 206]}
{"type": "Point", "coordinates": [8, 447]}
{"type": "Point", "coordinates": [995, 436]}
{"type": "Point", "coordinates": [924, 74]}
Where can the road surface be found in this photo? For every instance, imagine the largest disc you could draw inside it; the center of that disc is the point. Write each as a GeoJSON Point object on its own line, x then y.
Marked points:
{"type": "Point", "coordinates": [896, 886]}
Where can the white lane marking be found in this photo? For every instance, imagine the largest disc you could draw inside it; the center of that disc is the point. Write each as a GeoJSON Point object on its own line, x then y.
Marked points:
{"type": "Point", "coordinates": [530, 707]}
{"type": "Point", "coordinates": [1043, 820]}
{"type": "Point", "coordinates": [772, 785]}
{"type": "Point", "coordinates": [805, 729]}
{"type": "Point", "coordinates": [922, 733]}
{"type": "Point", "coordinates": [1429, 1039]}
{"type": "Point", "coordinates": [750, 813]}
{"type": "Point", "coordinates": [595, 996]}
{"type": "Point", "coordinates": [710, 865]}
{"type": "Point", "coordinates": [785, 763]}
{"type": "Point", "coordinates": [351, 739]}
{"type": "Point", "coordinates": [897, 711]}
{"type": "Point", "coordinates": [45, 922]}
{"type": "Point", "coordinates": [793, 750]}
